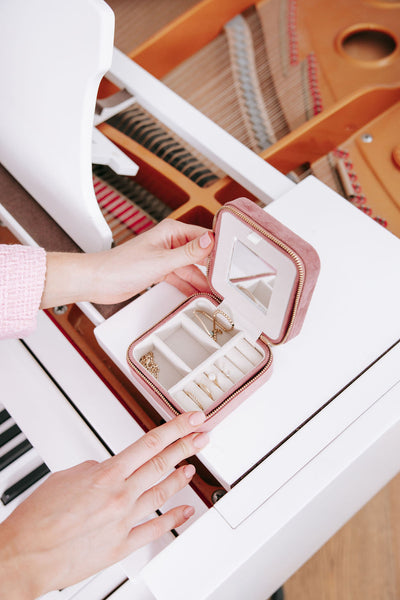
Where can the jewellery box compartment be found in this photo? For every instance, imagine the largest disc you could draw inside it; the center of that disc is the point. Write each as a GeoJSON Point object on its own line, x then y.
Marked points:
{"type": "Point", "coordinates": [214, 349]}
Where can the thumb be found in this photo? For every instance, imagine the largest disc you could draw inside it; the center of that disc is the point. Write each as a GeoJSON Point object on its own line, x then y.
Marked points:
{"type": "Point", "coordinates": [193, 252]}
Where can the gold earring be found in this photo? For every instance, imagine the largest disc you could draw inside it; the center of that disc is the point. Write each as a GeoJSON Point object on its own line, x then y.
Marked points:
{"type": "Point", "coordinates": [148, 362]}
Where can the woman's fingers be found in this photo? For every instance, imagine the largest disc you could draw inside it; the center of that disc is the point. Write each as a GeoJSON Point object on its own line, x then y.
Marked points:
{"type": "Point", "coordinates": [193, 276]}
{"type": "Point", "coordinates": [161, 464]}
{"type": "Point", "coordinates": [155, 497]}
{"type": "Point", "coordinates": [155, 528]}
{"type": "Point", "coordinates": [181, 284]}
{"type": "Point", "coordinates": [154, 442]}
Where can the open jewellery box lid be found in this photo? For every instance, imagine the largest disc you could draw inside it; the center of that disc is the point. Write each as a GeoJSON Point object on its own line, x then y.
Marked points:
{"type": "Point", "coordinates": [264, 273]}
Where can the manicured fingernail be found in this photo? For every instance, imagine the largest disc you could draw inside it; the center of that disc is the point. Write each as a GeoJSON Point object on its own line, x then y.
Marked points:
{"type": "Point", "coordinates": [197, 418]}
{"type": "Point", "coordinates": [189, 471]}
{"type": "Point", "coordinates": [200, 440]}
{"type": "Point", "coordinates": [205, 240]}
{"type": "Point", "coordinates": [188, 512]}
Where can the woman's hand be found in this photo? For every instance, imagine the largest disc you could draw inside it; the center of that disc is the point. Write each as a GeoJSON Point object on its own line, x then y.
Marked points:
{"type": "Point", "coordinates": [168, 252]}
{"type": "Point", "coordinates": [83, 519]}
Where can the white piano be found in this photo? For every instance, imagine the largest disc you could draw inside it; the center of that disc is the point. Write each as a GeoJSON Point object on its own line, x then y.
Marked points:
{"type": "Point", "coordinates": [298, 458]}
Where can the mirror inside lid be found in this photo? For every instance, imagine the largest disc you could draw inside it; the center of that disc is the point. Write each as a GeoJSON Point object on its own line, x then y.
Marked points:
{"type": "Point", "coordinates": [263, 271]}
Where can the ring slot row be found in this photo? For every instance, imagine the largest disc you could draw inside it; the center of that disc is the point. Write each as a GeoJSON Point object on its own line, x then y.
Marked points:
{"type": "Point", "coordinates": [210, 382]}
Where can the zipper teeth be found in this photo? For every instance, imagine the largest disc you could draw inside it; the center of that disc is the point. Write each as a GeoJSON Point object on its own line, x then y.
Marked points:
{"type": "Point", "coordinates": [296, 258]}
{"type": "Point", "coordinates": [300, 267]}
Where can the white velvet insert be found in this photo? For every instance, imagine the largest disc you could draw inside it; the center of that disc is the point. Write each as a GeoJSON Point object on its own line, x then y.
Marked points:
{"type": "Point", "coordinates": [187, 341]}
{"type": "Point", "coordinates": [197, 371]}
{"type": "Point", "coordinates": [169, 372]}
{"type": "Point", "coordinates": [250, 351]}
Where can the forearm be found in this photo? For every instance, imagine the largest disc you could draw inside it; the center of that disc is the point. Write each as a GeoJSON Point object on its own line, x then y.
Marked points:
{"type": "Point", "coordinates": [116, 275]}
{"type": "Point", "coordinates": [69, 278]}
{"type": "Point", "coordinates": [16, 575]}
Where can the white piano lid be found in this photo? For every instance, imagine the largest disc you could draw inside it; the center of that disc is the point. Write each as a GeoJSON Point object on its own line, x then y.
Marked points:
{"type": "Point", "coordinates": [53, 57]}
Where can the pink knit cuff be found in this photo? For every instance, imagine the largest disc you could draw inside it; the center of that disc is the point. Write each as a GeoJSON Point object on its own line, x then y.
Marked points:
{"type": "Point", "coordinates": [22, 277]}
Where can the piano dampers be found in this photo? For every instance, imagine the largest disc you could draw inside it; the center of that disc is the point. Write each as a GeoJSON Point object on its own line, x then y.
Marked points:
{"type": "Point", "coordinates": [145, 129]}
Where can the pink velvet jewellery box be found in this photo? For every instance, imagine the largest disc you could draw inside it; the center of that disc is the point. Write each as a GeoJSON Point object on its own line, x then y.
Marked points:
{"type": "Point", "coordinates": [214, 350]}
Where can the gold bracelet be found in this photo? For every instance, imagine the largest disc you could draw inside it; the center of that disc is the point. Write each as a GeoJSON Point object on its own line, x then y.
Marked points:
{"type": "Point", "coordinates": [217, 327]}
{"type": "Point", "coordinates": [148, 362]}
{"type": "Point", "coordinates": [227, 317]}
{"type": "Point", "coordinates": [194, 399]}
{"type": "Point", "coordinates": [213, 334]}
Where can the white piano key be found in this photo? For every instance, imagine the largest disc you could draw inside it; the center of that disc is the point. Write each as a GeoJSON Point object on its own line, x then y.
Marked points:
{"type": "Point", "coordinates": [132, 590]}
{"type": "Point", "coordinates": [110, 419]}
{"type": "Point", "coordinates": [68, 440]}
{"type": "Point", "coordinates": [101, 585]}
{"type": "Point", "coordinates": [66, 593]}
{"type": "Point", "coordinates": [6, 425]}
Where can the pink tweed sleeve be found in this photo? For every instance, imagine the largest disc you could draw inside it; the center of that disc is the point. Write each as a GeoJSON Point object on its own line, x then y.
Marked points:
{"type": "Point", "coordinates": [22, 277]}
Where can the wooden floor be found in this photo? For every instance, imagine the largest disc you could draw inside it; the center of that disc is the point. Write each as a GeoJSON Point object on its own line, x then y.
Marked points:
{"type": "Point", "coordinates": [362, 561]}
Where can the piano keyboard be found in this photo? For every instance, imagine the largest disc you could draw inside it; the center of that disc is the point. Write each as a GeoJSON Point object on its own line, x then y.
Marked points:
{"type": "Point", "coordinates": [21, 467]}
{"type": "Point", "coordinates": [22, 470]}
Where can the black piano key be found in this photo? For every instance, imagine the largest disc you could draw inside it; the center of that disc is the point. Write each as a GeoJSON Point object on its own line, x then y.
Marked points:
{"type": "Point", "coordinates": [23, 484]}
{"type": "Point", "coordinates": [9, 434]}
{"type": "Point", "coordinates": [4, 415]}
{"type": "Point", "coordinates": [14, 453]}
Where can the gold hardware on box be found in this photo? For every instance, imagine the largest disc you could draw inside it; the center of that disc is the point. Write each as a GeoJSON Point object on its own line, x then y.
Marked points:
{"type": "Point", "coordinates": [148, 362]}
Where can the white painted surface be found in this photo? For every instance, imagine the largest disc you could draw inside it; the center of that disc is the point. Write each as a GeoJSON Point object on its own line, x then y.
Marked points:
{"type": "Point", "coordinates": [255, 558]}
{"type": "Point", "coordinates": [54, 55]}
{"type": "Point", "coordinates": [104, 152]}
{"type": "Point", "coordinates": [352, 319]}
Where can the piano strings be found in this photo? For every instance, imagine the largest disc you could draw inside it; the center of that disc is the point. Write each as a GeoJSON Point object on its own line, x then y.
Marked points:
{"type": "Point", "coordinates": [252, 81]}
{"type": "Point", "coordinates": [285, 87]}
{"type": "Point", "coordinates": [137, 22]}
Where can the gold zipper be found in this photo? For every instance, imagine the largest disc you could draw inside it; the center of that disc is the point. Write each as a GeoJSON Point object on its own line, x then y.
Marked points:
{"type": "Point", "coordinates": [296, 259]}
{"type": "Point", "coordinates": [223, 403]}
